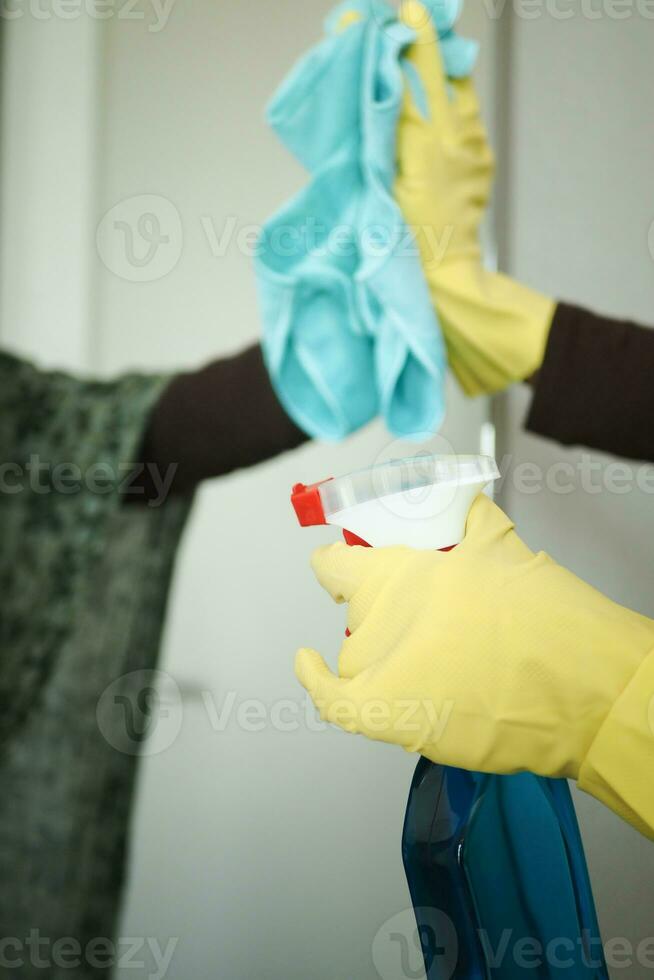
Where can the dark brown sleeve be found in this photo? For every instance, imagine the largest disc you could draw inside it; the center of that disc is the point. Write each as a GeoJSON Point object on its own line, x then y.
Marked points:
{"type": "Point", "coordinates": [596, 385]}
{"type": "Point", "coordinates": [210, 422]}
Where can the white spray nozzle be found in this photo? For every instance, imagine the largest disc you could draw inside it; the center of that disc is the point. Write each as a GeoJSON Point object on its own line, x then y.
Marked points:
{"type": "Point", "coordinates": [422, 502]}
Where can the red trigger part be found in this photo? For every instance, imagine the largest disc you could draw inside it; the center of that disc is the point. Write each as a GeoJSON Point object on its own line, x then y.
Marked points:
{"type": "Point", "coordinates": [354, 540]}
{"type": "Point", "coordinates": [308, 505]}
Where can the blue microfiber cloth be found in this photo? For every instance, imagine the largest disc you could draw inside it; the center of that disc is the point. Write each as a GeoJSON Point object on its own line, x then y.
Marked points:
{"type": "Point", "coordinates": [349, 327]}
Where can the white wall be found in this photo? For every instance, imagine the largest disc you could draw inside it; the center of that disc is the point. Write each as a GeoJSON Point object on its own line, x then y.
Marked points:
{"type": "Point", "coordinates": [269, 854]}
{"type": "Point", "coordinates": [277, 853]}
{"type": "Point", "coordinates": [580, 205]}
{"type": "Point", "coordinates": [49, 112]}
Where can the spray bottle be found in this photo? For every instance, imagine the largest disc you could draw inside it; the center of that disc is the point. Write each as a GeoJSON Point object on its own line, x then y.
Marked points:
{"type": "Point", "coordinates": [499, 858]}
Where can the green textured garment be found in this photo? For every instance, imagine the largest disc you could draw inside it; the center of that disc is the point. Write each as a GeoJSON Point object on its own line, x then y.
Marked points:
{"type": "Point", "coordinates": [83, 587]}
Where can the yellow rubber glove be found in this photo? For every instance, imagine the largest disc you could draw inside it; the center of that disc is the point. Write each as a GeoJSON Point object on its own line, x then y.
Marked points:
{"type": "Point", "coordinates": [495, 329]}
{"type": "Point", "coordinates": [492, 658]}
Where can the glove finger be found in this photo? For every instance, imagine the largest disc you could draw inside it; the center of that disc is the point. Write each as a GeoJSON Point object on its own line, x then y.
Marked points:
{"type": "Point", "coordinates": [470, 367]}
{"type": "Point", "coordinates": [463, 372]}
{"type": "Point", "coordinates": [425, 55]}
{"type": "Point", "coordinates": [472, 131]}
{"type": "Point", "coordinates": [341, 570]}
{"type": "Point", "coordinates": [466, 102]}
{"type": "Point", "coordinates": [328, 692]}
{"type": "Point", "coordinates": [486, 521]}
{"type": "Point", "coordinates": [357, 654]}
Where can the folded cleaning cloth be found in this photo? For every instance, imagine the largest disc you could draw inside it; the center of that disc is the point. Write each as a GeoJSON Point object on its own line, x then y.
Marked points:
{"type": "Point", "coordinates": [349, 329]}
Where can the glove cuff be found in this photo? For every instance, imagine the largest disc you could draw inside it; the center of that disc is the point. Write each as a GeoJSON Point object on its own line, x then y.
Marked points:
{"type": "Point", "coordinates": [618, 767]}
{"type": "Point", "coordinates": [496, 328]}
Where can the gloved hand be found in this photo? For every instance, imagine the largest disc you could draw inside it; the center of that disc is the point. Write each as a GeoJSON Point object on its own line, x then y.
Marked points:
{"type": "Point", "coordinates": [491, 658]}
{"type": "Point", "coordinates": [495, 329]}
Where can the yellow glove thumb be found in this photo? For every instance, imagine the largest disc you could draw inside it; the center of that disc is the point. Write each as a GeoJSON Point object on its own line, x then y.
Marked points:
{"type": "Point", "coordinates": [327, 691]}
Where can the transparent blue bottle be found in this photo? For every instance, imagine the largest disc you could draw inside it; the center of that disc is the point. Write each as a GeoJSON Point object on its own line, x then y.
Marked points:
{"type": "Point", "coordinates": [495, 864]}
{"type": "Point", "coordinates": [501, 857]}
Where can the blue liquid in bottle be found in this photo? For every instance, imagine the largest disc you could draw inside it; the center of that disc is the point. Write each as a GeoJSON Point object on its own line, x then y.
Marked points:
{"type": "Point", "coordinates": [498, 878]}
